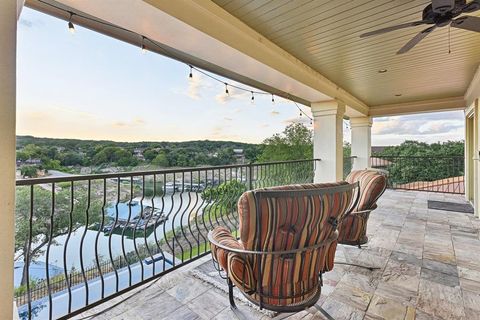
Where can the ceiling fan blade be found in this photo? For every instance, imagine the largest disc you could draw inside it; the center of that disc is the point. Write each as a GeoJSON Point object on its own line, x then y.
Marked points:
{"type": "Point", "coordinates": [393, 28]}
{"type": "Point", "coordinates": [419, 37]}
{"type": "Point", "coordinates": [470, 23]}
{"type": "Point", "coordinates": [471, 6]}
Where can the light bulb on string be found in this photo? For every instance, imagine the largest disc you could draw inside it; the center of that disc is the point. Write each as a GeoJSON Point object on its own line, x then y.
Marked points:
{"type": "Point", "coordinates": [71, 27]}
{"type": "Point", "coordinates": [191, 72]}
{"type": "Point", "coordinates": [144, 49]}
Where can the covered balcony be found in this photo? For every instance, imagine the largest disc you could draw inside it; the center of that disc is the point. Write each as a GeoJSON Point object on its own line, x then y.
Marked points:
{"type": "Point", "coordinates": [138, 247]}
{"type": "Point", "coordinates": [427, 271]}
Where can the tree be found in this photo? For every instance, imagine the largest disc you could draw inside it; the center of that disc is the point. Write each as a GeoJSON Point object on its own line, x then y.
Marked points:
{"type": "Point", "coordinates": [160, 160]}
{"type": "Point", "coordinates": [29, 171]}
{"type": "Point", "coordinates": [72, 159]}
{"type": "Point", "coordinates": [224, 156]}
{"type": "Point", "coordinates": [22, 155]}
{"type": "Point", "coordinates": [32, 151]}
{"type": "Point", "coordinates": [226, 194]}
{"type": "Point", "coordinates": [419, 161]}
{"type": "Point", "coordinates": [294, 143]}
{"type": "Point", "coordinates": [150, 154]}
{"type": "Point", "coordinates": [114, 155]}
{"type": "Point", "coordinates": [42, 210]}
{"type": "Point", "coordinates": [52, 165]}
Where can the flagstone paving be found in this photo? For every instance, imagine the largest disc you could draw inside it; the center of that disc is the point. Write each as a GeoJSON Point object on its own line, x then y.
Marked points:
{"type": "Point", "coordinates": [429, 269]}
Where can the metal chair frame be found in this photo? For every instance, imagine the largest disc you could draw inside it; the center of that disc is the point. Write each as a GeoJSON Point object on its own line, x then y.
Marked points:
{"type": "Point", "coordinates": [311, 294]}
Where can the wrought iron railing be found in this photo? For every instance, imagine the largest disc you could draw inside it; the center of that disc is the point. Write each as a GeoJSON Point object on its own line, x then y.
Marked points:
{"type": "Point", "coordinates": [348, 165]}
{"type": "Point", "coordinates": [82, 240]}
{"type": "Point", "coordinates": [436, 174]}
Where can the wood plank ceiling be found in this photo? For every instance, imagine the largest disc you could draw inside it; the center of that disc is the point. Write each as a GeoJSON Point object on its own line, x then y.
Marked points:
{"type": "Point", "coordinates": [325, 35]}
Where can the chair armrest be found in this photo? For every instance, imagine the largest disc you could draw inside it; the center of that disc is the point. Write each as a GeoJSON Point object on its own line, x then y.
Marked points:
{"type": "Point", "coordinates": [228, 247]}
{"type": "Point", "coordinates": [223, 237]}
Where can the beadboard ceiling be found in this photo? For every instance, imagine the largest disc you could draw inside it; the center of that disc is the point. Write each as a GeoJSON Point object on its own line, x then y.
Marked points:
{"type": "Point", "coordinates": [325, 35]}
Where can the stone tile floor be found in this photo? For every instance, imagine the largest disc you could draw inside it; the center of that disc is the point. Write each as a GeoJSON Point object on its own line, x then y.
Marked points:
{"type": "Point", "coordinates": [430, 269]}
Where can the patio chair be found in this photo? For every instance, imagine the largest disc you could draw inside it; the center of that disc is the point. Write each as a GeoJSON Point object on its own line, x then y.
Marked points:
{"type": "Point", "coordinates": [353, 229]}
{"type": "Point", "coordinates": [285, 234]}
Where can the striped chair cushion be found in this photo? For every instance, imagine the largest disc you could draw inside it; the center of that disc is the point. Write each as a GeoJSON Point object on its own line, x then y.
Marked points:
{"type": "Point", "coordinates": [372, 185]}
{"type": "Point", "coordinates": [353, 229]}
{"type": "Point", "coordinates": [247, 211]}
{"type": "Point", "coordinates": [235, 264]}
{"type": "Point", "coordinates": [289, 223]}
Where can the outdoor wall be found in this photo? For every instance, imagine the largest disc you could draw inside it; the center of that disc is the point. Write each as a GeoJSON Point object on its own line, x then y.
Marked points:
{"type": "Point", "coordinates": [8, 35]}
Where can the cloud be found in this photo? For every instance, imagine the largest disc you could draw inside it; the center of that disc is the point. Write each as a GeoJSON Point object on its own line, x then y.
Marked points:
{"type": "Point", "coordinates": [197, 85]}
{"type": "Point", "coordinates": [432, 127]}
{"type": "Point", "coordinates": [265, 125]}
{"type": "Point", "coordinates": [304, 120]}
{"type": "Point", "coordinates": [133, 123]}
{"type": "Point", "coordinates": [194, 85]}
{"type": "Point", "coordinates": [29, 23]}
{"type": "Point", "coordinates": [418, 125]}
{"type": "Point", "coordinates": [119, 124]}
{"type": "Point", "coordinates": [76, 113]}
{"type": "Point", "coordinates": [217, 131]}
{"type": "Point", "coordinates": [26, 23]}
{"type": "Point", "coordinates": [233, 94]}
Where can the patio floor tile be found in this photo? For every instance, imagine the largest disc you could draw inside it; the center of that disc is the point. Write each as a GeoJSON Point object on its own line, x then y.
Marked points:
{"type": "Point", "coordinates": [429, 269]}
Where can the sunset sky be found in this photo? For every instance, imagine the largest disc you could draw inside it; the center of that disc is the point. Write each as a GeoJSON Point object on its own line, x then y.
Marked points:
{"type": "Point", "coordinates": [89, 86]}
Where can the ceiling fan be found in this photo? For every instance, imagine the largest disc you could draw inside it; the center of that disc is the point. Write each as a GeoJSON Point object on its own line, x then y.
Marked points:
{"type": "Point", "coordinates": [439, 13]}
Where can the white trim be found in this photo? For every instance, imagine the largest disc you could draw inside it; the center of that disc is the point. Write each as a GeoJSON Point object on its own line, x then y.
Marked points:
{"type": "Point", "coordinates": [435, 105]}
{"type": "Point", "coordinates": [473, 91]}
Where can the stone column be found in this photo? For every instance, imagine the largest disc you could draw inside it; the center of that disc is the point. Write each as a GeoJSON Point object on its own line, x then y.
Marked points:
{"type": "Point", "coordinates": [361, 142]}
{"type": "Point", "coordinates": [8, 36]}
{"type": "Point", "coordinates": [328, 140]}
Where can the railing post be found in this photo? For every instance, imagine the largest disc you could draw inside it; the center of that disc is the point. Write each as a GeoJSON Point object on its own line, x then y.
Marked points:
{"type": "Point", "coordinates": [8, 36]}
{"type": "Point", "coordinates": [250, 176]}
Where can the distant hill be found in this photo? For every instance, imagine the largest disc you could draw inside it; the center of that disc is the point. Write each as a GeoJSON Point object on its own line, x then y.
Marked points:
{"type": "Point", "coordinates": [78, 143]}
{"type": "Point", "coordinates": [57, 154]}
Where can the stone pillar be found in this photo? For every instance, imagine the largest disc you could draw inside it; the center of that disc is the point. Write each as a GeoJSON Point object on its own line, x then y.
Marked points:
{"type": "Point", "coordinates": [328, 140]}
{"type": "Point", "coordinates": [8, 36]}
{"type": "Point", "coordinates": [361, 142]}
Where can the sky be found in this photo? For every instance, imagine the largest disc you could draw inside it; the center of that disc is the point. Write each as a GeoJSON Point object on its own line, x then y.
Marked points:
{"type": "Point", "coordinates": [89, 86]}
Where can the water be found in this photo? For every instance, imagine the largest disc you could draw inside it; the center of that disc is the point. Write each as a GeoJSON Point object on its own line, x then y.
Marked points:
{"type": "Point", "coordinates": [177, 207]}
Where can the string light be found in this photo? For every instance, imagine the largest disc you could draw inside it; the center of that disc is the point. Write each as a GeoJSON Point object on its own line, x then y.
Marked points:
{"type": "Point", "coordinates": [71, 27]}
{"type": "Point", "coordinates": [144, 49]}
{"type": "Point", "coordinates": [165, 51]}
{"type": "Point", "coordinates": [303, 113]}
